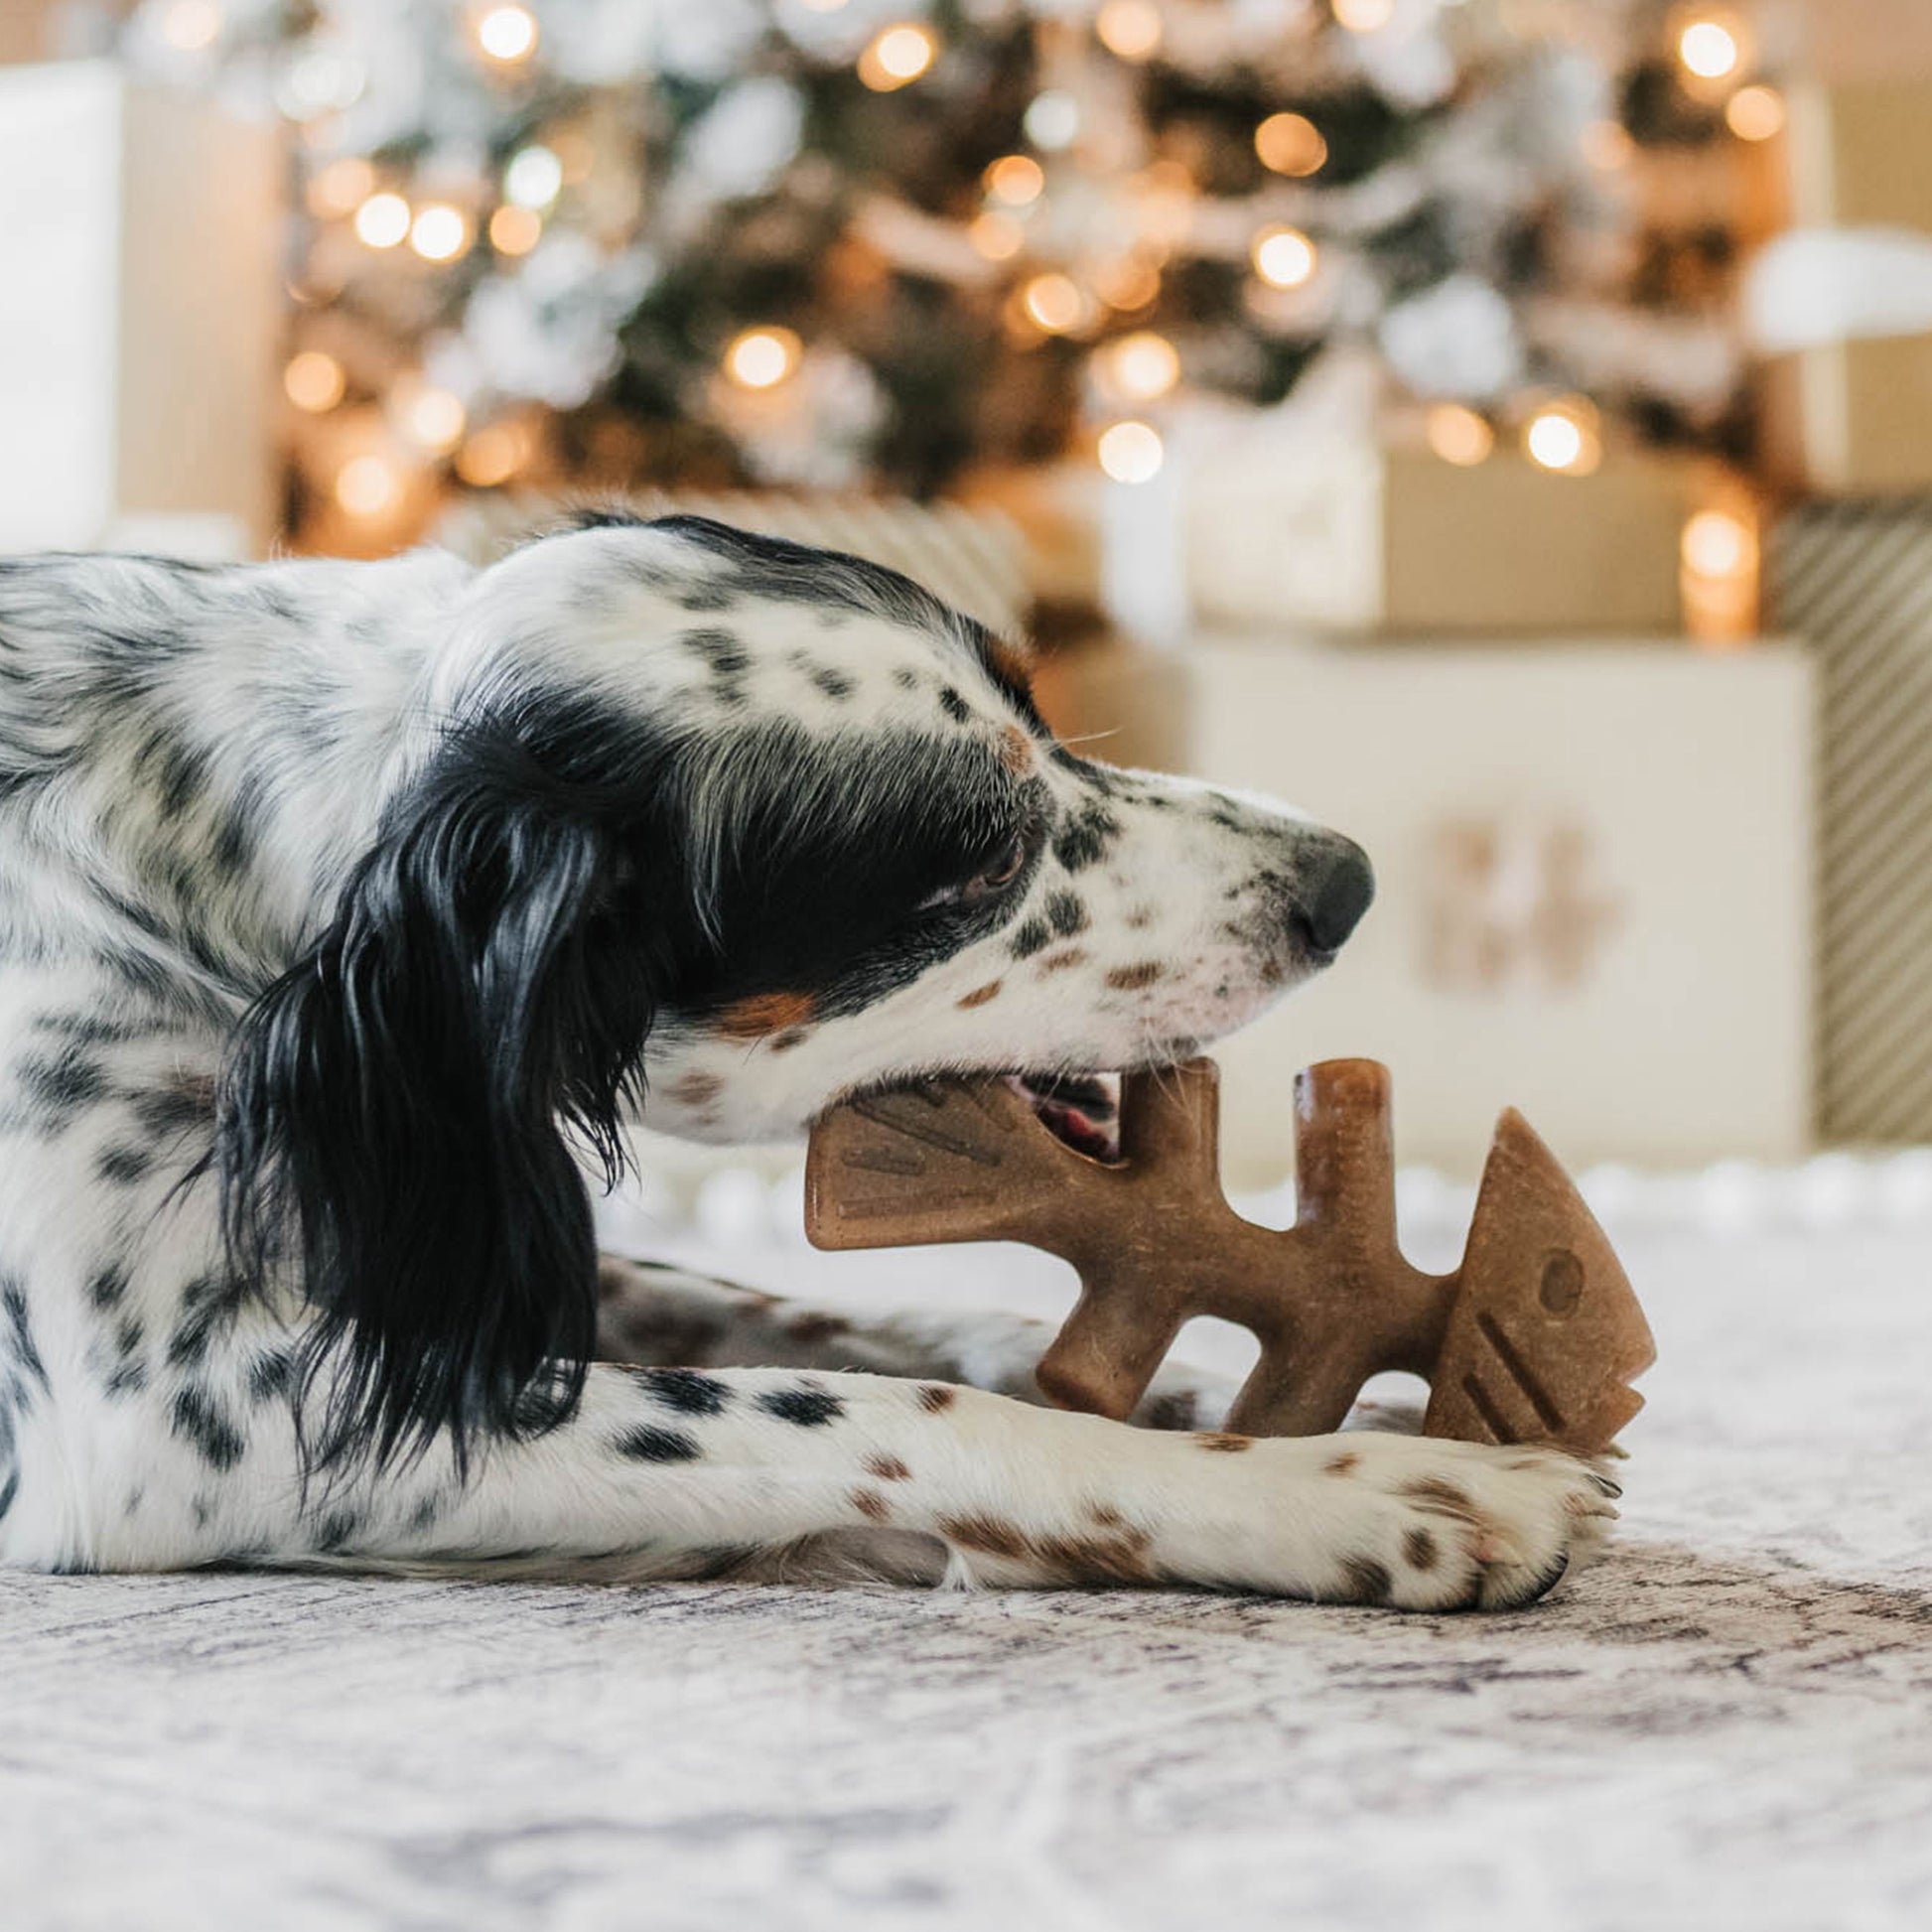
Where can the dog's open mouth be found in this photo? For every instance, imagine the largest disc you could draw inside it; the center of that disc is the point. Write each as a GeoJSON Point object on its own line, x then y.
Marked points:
{"type": "Point", "coordinates": [1083, 1110]}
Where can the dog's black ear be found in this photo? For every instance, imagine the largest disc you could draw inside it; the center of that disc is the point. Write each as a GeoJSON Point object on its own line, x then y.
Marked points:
{"type": "Point", "coordinates": [394, 1112]}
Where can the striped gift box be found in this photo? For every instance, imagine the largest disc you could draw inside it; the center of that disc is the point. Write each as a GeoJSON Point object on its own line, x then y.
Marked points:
{"type": "Point", "coordinates": [1855, 579]}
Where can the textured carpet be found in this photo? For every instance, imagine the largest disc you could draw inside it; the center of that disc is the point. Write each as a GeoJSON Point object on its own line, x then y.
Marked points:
{"type": "Point", "coordinates": [1726, 1723]}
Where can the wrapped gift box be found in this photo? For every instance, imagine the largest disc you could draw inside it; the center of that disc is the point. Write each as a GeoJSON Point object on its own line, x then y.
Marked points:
{"type": "Point", "coordinates": [142, 317]}
{"type": "Point", "coordinates": [1343, 536]}
{"type": "Point", "coordinates": [1855, 581]}
{"type": "Point", "coordinates": [1853, 416]}
{"type": "Point", "coordinates": [1850, 419]}
{"type": "Point", "coordinates": [1594, 864]}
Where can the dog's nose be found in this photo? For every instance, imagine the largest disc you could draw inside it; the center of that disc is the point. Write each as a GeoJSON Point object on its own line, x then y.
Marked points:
{"type": "Point", "coordinates": [1335, 889]}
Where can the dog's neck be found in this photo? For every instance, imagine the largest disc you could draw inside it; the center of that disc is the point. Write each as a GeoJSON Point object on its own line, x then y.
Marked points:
{"type": "Point", "coordinates": [190, 760]}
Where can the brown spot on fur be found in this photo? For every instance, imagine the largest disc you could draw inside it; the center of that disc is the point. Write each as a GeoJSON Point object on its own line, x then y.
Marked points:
{"type": "Point", "coordinates": [934, 1395]}
{"type": "Point", "coordinates": [1219, 1439]}
{"type": "Point", "coordinates": [869, 1502]}
{"type": "Point", "coordinates": [986, 1532]}
{"type": "Point", "coordinates": [888, 1469]}
{"type": "Point", "coordinates": [1343, 1464]}
{"type": "Point", "coordinates": [1140, 918]}
{"type": "Point", "coordinates": [1444, 1498]}
{"type": "Point", "coordinates": [1010, 663]}
{"type": "Point", "coordinates": [812, 1329]}
{"type": "Point", "coordinates": [1117, 1558]}
{"type": "Point", "coordinates": [1106, 1515]}
{"type": "Point", "coordinates": [763, 1014]}
{"type": "Point", "coordinates": [1058, 962]}
{"type": "Point", "coordinates": [1368, 1580]}
{"type": "Point", "coordinates": [790, 1037]}
{"type": "Point", "coordinates": [1015, 750]}
{"type": "Point", "coordinates": [196, 1089]}
{"type": "Point", "coordinates": [695, 1089]}
{"type": "Point", "coordinates": [979, 996]}
{"type": "Point", "coordinates": [1419, 1547]}
{"type": "Point", "coordinates": [1130, 979]}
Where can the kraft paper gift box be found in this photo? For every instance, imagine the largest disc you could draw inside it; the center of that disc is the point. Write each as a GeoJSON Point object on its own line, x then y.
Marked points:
{"type": "Point", "coordinates": [142, 318]}
{"type": "Point", "coordinates": [1345, 536]}
{"type": "Point", "coordinates": [1853, 417]}
{"type": "Point", "coordinates": [1595, 865]}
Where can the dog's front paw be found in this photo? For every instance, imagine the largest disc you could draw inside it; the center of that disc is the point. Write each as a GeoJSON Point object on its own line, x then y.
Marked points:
{"type": "Point", "coordinates": [1420, 1524]}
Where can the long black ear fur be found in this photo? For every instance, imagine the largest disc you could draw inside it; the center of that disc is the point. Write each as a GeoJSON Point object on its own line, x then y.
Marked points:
{"type": "Point", "coordinates": [395, 1113]}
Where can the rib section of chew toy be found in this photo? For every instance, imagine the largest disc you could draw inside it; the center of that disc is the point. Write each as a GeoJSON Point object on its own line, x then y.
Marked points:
{"type": "Point", "coordinates": [1535, 1337]}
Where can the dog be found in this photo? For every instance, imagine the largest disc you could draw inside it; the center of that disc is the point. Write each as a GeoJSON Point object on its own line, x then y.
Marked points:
{"type": "Point", "coordinates": [348, 909]}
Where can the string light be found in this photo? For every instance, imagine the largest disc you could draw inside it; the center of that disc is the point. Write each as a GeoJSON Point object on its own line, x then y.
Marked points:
{"type": "Point", "coordinates": [507, 35]}
{"type": "Point", "coordinates": [1130, 453]}
{"type": "Point", "coordinates": [1141, 366]}
{"type": "Point", "coordinates": [191, 25]}
{"type": "Point", "coordinates": [1130, 29]}
{"type": "Point", "coordinates": [1051, 120]}
{"type": "Point", "coordinates": [1459, 435]}
{"type": "Point", "coordinates": [1719, 579]}
{"type": "Point", "coordinates": [339, 188]}
{"type": "Point", "coordinates": [515, 230]}
{"type": "Point", "coordinates": [433, 419]}
{"type": "Point", "coordinates": [323, 78]}
{"type": "Point", "coordinates": [493, 455]}
{"type": "Point", "coordinates": [367, 486]}
{"type": "Point", "coordinates": [897, 56]}
{"type": "Point", "coordinates": [314, 381]}
{"type": "Point", "coordinates": [1015, 179]}
{"type": "Point", "coordinates": [1283, 257]}
{"type": "Point", "coordinates": [821, 6]}
{"type": "Point", "coordinates": [1363, 16]}
{"type": "Point", "coordinates": [534, 178]}
{"type": "Point", "coordinates": [1290, 144]}
{"type": "Point", "coordinates": [382, 220]}
{"type": "Point", "coordinates": [999, 238]}
{"type": "Point", "coordinates": [1755, 114]}
{"type": "Point", "coordinates": [1128, 284]}
{"type": "Point", "coordinates": [1054, 302]}
{"type": "Point", "coordinates": [1563, 437]}
{"type": "Point", "coordinates": [1719, 545]}
{"type": "Point", "coordinates": [1710, 48]}
{"type": "Point", "coordinates": [761, 359]}
{"type": "Point", "coordinates": [439, 232]}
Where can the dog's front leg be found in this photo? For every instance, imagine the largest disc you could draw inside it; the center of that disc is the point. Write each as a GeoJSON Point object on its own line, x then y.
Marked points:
{"type": "Point", "coordinates": [678, 1468]}
{"type": "Point", "coordinates": [649, 1315]}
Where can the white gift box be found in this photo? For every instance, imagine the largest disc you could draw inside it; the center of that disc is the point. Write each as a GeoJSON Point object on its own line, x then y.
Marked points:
{"type": "Point", "coordinates": [1595, 867]}
{"type": "Point", "coordinates": [142, 312]}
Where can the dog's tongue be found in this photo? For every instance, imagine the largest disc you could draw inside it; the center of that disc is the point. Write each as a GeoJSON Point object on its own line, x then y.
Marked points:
{"type": "Point", "coordinates": [1082, 1109]}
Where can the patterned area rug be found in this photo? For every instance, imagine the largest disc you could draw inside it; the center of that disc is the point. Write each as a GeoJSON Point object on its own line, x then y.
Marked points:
{"type": "Point", "coordinates": [1725, 1724]}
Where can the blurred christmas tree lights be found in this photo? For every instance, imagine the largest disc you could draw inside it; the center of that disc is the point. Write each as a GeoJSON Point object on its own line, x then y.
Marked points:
{"type": "Point", "coordinates": [846, 244]}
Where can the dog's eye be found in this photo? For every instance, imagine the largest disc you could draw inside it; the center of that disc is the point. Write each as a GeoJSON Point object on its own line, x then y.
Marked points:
{"type": "Point", "coordinates": [1000, 874]}
{"type": "Point", "coordinates": [990, 880]}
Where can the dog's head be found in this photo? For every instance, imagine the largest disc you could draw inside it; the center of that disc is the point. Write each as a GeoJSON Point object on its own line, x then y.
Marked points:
{"type": "Point", "coordinates": [723, 828]}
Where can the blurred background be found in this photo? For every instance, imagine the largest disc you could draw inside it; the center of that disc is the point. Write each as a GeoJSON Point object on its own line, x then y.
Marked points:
{"type": "Point", "coordinates": [1503, 428]}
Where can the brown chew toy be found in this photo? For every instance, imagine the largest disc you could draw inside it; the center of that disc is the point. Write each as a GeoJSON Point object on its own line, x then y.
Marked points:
{"type": "Point", "coordinates": [1534, 1338]}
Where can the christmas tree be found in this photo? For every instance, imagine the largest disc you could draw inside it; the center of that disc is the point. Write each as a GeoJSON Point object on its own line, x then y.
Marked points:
{"type": "Point", "coordinates": [882, 243]}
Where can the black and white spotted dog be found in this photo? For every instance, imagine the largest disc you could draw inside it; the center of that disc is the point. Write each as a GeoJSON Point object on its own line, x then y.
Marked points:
{"type": "Point", "coordinates": [342, 907]}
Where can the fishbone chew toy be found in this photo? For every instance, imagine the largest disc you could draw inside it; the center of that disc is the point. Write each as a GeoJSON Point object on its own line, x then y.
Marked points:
{"type": "Point", "coordinates": [1534, 1338]}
